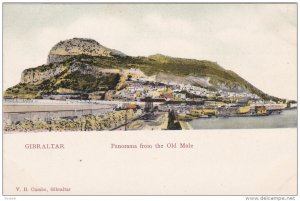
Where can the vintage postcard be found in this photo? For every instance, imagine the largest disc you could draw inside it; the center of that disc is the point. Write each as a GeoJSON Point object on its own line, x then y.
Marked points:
{"type": "Point", "coordinates": [149, 99]}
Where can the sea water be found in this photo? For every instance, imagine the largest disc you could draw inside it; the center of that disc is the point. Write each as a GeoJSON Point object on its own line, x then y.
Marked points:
{"type": "Point", "coordinates": [287, 119]}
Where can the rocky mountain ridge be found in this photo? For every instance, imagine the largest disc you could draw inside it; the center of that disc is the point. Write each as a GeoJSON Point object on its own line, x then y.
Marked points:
{"type": "Point", "coordinates": [82, 65]}
{"type": "Point", "coordinates": [78, 46]}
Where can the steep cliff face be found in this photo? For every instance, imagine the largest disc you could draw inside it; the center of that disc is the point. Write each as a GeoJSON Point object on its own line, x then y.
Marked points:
{"type": "Point", "coordinates": [55, 58]}
{"type": "Point", "coordinates": [70, 78]}
{"type": "Point", "coordinates": [46, 72]}
{"type": "Point", "coordinates": [78, 46]}
{"type": "Point", "coordinates": [33, 76]}
{"type": "Point", "coordinates": [84, 68]}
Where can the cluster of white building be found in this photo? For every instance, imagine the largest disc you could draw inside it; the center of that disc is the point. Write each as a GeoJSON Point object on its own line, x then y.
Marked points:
{"type": "Point", "coordinates": [138, 88]}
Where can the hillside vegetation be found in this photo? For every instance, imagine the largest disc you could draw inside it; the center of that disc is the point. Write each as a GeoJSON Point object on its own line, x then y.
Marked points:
{"type": "Point", "coordinates": [70, 69]}
{"type": "Point", "coordinates": [175, 66]}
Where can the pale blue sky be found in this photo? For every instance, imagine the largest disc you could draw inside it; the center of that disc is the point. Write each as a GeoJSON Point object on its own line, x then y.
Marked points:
{"type": "Point", "coordinates": [258, 41]}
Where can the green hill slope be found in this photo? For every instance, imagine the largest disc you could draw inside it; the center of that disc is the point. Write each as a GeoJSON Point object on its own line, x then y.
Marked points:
{"type": "Point", "coordinates": [73, 67]}
{"type": "Point", "coordinates": [151, 65]}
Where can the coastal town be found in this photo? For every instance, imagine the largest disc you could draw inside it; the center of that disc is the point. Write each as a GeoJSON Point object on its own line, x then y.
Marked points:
{"type": "Point", "coordinates": [140, 103]}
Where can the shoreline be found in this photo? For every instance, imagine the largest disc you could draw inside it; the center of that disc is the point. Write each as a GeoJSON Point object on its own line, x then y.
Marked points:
{"type": "Point", "coordinates": [287, 119]}
{"type": "Point", "coordinates": [185, 125]}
